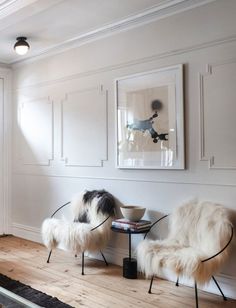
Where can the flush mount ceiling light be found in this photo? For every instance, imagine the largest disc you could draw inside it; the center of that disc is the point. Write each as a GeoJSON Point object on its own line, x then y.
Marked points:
{"type": "Point", "coordinates": [21, 46]}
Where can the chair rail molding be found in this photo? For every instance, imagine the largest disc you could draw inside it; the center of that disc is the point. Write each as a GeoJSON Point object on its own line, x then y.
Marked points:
{"type": "Point", "coordinates": [212, 156]}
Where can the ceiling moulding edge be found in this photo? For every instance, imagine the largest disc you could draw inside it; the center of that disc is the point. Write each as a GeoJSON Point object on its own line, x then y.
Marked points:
{"type": "Point", "coordinates": [155, 13]}
{"type": "Point", "coordinates": [186, 49]}
{"type": "Point", "coordinates": [6, 3]}
{"type": "Point", "coordinates": [9, 7]}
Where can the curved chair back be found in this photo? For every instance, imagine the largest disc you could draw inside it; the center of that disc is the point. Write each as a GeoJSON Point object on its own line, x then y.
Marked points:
{"type": "Point", "coordinates": [196, 247]}
{"type": "Point", "coordinates": [204, 226]}
{"type": "Point", "coordinates": [89, 229]}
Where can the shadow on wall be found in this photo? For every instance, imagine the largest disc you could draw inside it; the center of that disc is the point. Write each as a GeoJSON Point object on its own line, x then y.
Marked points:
{"type": "Point", "coordinates": [160, 230]}
{"type": "Point", "coordinates": [26, 194]}
{"type": "Point", "coordinates": [116, 240]}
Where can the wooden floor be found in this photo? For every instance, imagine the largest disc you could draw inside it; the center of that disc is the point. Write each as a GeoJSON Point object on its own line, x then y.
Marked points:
{"type": "Point", "coordinates": [100, 287]}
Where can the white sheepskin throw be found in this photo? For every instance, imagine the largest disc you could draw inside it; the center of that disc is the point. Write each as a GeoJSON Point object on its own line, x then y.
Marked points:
{"type": "Point", "coordinates": [196, 231]}
{"type": "Point", "coordinates": [89, 209]}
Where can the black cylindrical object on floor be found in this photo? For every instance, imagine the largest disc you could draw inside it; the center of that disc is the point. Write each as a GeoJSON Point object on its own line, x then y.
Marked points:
{"type": "Point", "coordinates": [130, 268]}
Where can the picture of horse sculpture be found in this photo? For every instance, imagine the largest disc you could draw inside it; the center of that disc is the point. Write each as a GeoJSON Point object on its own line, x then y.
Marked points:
{"type": "Point", "coordinates": [147, 125]}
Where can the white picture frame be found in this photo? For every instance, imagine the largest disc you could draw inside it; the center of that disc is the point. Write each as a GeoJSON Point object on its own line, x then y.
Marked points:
{"type": "Point", "coordinates": [150, 119]}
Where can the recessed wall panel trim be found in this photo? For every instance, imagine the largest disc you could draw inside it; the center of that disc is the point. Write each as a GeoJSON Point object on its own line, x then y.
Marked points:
{"type": "Point", "coordinates": [84, 128]}
{"type": "Point", "coordinates": [36, 132]}
{"type": "Point", "coordinates": [217, 110]}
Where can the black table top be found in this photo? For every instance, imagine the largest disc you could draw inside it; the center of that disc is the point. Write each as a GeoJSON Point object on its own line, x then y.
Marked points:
{"type": "Point", "coordinates": [128, 231]}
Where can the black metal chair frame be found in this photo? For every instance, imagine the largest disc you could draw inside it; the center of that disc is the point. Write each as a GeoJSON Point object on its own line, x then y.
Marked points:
{"type": "Point", "coordinates": [49, 256]}
{"type": "Point", "coordinates": [205, 260]}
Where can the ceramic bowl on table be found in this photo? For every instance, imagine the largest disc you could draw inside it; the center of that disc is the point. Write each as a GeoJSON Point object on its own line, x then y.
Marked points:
{"type": "Point", "coordinates": [132, 212]}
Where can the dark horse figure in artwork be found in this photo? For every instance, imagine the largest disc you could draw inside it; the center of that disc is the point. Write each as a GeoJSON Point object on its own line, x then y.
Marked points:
{"type": "Point", "coordinates": [146, 125]}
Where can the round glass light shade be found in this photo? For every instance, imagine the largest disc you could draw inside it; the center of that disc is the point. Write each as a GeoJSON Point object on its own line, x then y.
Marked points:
{"type": "Point", "coordinates": [21, 46]}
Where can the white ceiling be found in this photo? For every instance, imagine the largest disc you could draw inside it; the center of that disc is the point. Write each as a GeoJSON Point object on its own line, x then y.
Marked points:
{"type": "Point", "coordinates": [52, 24]}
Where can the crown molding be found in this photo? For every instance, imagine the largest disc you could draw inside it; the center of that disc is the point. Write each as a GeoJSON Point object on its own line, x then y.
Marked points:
{"type": "Point", "coordinates": [8, 7]}
{"type": "Point", "coordinates": [5, 3]}
{"type": "Point", "coordinates": [163, 10]}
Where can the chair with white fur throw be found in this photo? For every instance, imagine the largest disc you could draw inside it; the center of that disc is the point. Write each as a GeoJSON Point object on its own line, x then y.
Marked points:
{"type": "Point", "coordinates": [89, 231]}
{"type": "Point", "coordinates": [196, 247]}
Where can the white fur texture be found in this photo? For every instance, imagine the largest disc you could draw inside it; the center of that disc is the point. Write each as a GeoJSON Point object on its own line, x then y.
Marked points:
{"type": "Point", "coordinates": [197, 231]}
{"type": "Point", "coordinates": [76, 236]}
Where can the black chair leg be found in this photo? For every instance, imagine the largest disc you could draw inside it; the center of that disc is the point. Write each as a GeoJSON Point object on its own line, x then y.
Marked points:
{"type": "Point", "coordinates": [49, 256]}
{"type": "Point", "coordinates": [177, 282]}
{"type": "Point", "coordinates": [82, 263]}
{"type": "Point", "coordinates": [104, 258]}
{"type": "Point", "coordinates": [224, 297]}
{"type": "Point", "coordinates": [196, 296]}
{"type": "Point", "coordinates": [150, 287]}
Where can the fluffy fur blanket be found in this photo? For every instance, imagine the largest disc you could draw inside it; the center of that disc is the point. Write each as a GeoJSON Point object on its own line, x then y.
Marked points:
{"type": "Point", "coordinates": [197, 231]}
{"type": "Point", "coordinates": [90, 208]}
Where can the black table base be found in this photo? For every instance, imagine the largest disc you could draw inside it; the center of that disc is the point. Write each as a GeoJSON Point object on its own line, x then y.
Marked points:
{"type": "Point", "coordinates": [130, 268]}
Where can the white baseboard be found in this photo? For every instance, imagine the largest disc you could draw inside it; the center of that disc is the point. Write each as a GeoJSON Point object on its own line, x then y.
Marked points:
{"type": "Point", "coordinates": [116, 255]}
{"type": "Point", "coordinates": [26, 232]}
{"type": "Point", "coordinates": [227, 284]}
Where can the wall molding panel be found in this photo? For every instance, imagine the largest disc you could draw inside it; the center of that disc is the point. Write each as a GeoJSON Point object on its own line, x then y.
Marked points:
{"type": "Point", "coordinates": [84, 128]}
{"type": "Point", "coordinates": [36, 131]}
{"type": "Point", "coordinates": [214, 110]}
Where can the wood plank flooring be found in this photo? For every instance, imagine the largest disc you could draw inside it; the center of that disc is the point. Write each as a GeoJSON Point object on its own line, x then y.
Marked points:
{"type": "Point", "coordinates": [101, 286]}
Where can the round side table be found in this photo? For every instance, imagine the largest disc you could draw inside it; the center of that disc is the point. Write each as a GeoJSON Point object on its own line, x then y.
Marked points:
{"type": "Point", "coordinates": [130, 264]}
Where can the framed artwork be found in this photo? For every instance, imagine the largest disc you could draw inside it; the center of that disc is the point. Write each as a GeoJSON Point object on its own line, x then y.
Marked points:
{"type": "Point", "coordinates": [150, 119]}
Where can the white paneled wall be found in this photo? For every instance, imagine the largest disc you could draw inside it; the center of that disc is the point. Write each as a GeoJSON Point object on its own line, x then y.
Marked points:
{"type": "Point", "coordinates": [71, 96]}
{"type": "Point", "coordinates": [218, 102]}
{"type": "Point", "coordinates": [35, 139]}
{"type": "Point", "coordinates": [84, 128]}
